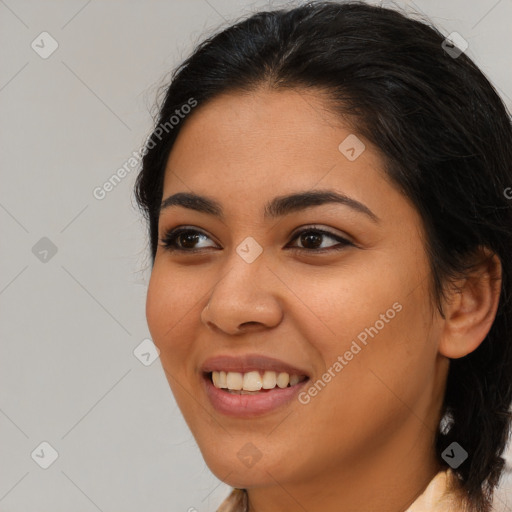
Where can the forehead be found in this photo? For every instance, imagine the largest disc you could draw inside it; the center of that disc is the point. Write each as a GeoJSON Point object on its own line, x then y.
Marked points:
{"type": "Point", "coordinates": [245, 149]}
{"type": "Point", "coordinates": [269, 133]}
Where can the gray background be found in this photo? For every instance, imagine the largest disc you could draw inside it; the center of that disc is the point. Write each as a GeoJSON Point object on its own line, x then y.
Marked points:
{"type": "Point", "coordinates": [70, 321]}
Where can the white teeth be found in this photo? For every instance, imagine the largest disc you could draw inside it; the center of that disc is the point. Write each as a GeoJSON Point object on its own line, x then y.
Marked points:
{"type": "Point", "coordinates": [253, 381]}
{"type": "Point", "coordinates": [283, 380]}
{"type": "Point", "coordinates": [294, 379]}
{"type": "Point", "coordinates": [234, 380]}
{"type": "Point", "coordinates": [269, 380]}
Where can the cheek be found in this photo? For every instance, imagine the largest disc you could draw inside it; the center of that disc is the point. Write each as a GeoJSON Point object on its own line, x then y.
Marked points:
{"type": "Point", "coordinates": [340, 303]}
{"type": "Point", "coordinates": [388, 351]}
{"type": "Point", "coordinates": [167, 303]}
{"type": "Point", "coordinates": [156, 305]}
{"type": "Point", "coordinates": [173, 308]}
{"type": "Point", "coordinates": [169, 311]}
{"type": "Point", "coordinates": [377, 314]}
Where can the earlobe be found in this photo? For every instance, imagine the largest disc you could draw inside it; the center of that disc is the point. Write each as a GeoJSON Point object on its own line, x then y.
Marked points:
{"type": "Point", "coordinates": [471, 307]}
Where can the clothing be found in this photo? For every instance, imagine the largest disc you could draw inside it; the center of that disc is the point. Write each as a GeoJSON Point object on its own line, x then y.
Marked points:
{"type": "Point", "coordinates": [433, 499]}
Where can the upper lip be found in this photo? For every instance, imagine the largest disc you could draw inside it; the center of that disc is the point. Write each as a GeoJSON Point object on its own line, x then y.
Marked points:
{"type": "Point", "coordinates": [249, 362]}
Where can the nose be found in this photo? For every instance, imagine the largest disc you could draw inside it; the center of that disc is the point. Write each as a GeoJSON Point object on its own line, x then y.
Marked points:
{"type": "Point", "coordinates": [245, 299]}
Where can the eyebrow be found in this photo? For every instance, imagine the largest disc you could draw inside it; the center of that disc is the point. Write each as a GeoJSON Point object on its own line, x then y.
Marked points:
{"type": "Point", "coordinates": [277, 207]}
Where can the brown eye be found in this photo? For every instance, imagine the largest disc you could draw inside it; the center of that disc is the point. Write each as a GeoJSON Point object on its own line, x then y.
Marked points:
{"type": "Point", "coordinates": [311, 240]}
{"type": "Point", "coordinates": [183, 239]}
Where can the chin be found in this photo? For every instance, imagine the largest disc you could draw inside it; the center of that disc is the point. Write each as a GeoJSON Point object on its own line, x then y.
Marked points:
{"type": "Point", "coordinates": [244, 468]}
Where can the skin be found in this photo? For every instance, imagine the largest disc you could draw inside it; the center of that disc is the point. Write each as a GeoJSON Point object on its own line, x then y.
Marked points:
{"type": "Point", "coordinates": [365, 442]}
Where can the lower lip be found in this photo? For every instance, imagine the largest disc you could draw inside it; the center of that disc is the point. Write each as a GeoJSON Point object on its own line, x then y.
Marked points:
{"type": "Point", "coordinates": [247, 406]}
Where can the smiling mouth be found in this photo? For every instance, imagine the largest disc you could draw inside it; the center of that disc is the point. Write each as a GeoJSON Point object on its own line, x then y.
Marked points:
{"type": "Point", "coordinates": [253, 382]}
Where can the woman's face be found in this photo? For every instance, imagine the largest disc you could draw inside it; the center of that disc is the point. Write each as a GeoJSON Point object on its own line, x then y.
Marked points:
{"type": "Point", "coordinates": [353, 317]}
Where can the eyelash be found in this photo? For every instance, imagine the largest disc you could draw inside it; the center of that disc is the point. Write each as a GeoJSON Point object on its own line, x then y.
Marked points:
{"type": "Point", "coordinates": [169, 240]}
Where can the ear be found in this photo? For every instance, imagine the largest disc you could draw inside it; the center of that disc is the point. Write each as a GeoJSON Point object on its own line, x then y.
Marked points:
{"type": "Point", "coordinates": [471, 305]}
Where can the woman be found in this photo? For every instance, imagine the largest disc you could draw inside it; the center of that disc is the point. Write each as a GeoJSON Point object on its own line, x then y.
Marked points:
{"type": "Point", "coordinates": [331, 235]}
